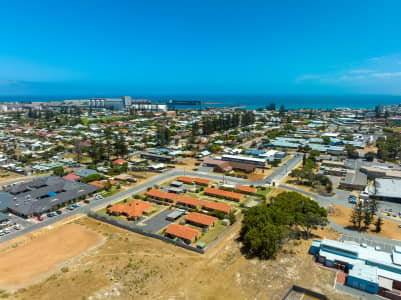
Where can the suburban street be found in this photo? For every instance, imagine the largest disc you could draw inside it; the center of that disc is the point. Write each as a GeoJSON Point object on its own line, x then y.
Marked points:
{"type": "Point", "coordinates": [340, 197]}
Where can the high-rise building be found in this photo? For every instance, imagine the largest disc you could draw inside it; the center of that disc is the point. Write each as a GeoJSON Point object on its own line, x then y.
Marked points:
{"type": "Point", "coordinates": [127, 101]}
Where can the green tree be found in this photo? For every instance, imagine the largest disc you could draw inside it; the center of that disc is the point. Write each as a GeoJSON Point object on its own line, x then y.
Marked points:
{"type": "Point", "coordinates": [326, 140]}
{"type": "Point", "coordinates": [302, 211]}
{"type": "Point", "coordinates": [262, 231]}
{"type": "Point", "coordinates": [357, 216]}
{"type": "Point", "coordinates": [378, 224]}
{"type": "Point", "coordinates": [59, 171]}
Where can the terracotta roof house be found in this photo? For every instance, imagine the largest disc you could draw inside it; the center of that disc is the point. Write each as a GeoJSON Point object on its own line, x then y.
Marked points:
{"type": "Point", "coordinates": [191, 180]}
{"type": "Point", "coordinates": [132, 210]}
{"type": "Point", "coordinates": [161, 196]}
{"type": "Point", "coordinates": [187, 201]}
{"type": "Point", "coordinates": [72, 176]}
{"type": "Point", "coordinates": [245, 189]}
{"type": "Point", "coordinates": [201, 220]}
{"type": "Point", "coordinates": [119, 161]}
{"type": "Point", "coordinates": [201, 181]}
{"type": "Point", "coordinates": [210, 206]}
{"type": "Point", "coordinates": [98, 183]}
{"type": "Point", "coordinates": [187, 234]}
{"type": "Point", "coordinates": [223, 194]}
{"type": "Point", "coordinates": [185, 179]}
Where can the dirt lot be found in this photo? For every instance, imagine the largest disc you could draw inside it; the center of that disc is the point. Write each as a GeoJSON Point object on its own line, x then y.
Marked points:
{"type": "Point", "coordinates": [370, 148]}
{"type": "Point", "coordinates": [341, 215]}
{"type": "Point", "coordinates": [131, 266]}
{"type": "Point", "coordinates": [30, 258]}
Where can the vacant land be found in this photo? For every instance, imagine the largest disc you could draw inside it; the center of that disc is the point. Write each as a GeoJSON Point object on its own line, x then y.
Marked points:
{"type": "Point", "coordinates": [131, 266]}
{"type": "Point", "coordinates": [342, 215]}
{"type": "Point", "coordinates": [21, 264]}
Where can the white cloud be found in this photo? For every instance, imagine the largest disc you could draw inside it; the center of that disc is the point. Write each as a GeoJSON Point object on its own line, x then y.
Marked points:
{"type": "Point", "coordinates": [387, 74]}
{"type": "Point", "coordinates": [362, 71]}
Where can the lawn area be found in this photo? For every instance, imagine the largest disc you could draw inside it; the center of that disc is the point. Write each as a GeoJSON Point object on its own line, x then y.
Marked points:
{"type": "Point", "coordinates": [112, 191]}
{"type": "Point", "coordinates": [212, 234]}
{"type": "Point", "coordinates": [263, 192]}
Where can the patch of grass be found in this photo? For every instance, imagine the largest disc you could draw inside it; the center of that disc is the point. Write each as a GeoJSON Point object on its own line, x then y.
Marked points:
{"type": "Point", "coordinates": [263, 192]}
{"type": "Point", "coordinates": [64, 269]}
{"type": "Point", "coordinates": [213, 233]}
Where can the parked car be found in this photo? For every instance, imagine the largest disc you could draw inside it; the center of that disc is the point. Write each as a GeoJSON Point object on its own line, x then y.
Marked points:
{"type": "Point", "coordinates": [6, 231]}
{"type": "Point", "coordinates": [2, 233]}
{"type": "Point", "coordinates": [59, 212]}
{"type": "Point", "coordinates": [87, 201]}
{"type": "Point", "coordinates": [17, 227]}
{"type": "Point", "coordinates": [40, 218]}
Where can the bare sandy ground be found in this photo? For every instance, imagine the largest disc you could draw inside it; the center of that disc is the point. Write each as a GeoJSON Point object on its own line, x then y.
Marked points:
{"type": "Point", "coordinates": [131, 266]}
{"type": "Point", "coordinates": [342, 215]}
{"type": "Point", "coordinates": [21, 264]}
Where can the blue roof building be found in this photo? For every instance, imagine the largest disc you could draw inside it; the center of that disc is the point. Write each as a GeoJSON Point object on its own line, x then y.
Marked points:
{"type": "Point", "coordinates": [368, 268]}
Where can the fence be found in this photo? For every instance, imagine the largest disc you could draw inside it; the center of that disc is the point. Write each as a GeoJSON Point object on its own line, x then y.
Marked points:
{"type": "Point", "coordinates": [131, 227]}
{"type": "Point", "coordinates": [305, 292]}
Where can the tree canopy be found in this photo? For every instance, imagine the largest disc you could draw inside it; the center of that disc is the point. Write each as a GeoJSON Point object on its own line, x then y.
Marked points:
{"type": "Point", "coordinates": [265, 227]}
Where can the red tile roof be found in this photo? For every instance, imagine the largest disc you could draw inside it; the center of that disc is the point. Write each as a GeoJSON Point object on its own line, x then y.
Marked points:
{"type": "Point", "coordinates": [246, 189]}
{"type": "Point", "coordinates": [185, 179]}
{"type": "Point", "coordinates": [182, 231]}
{"type": "Point", "coordinates": [161, 195]}
{"type": "Point", "coordinates": [201, 180]}
{"type": "Point", "coordinates": [71, 177]}
{"type": "Point", "coordinates": [200, 218]}
{"type": "Point", "coordinates": [221, 193]}
{"type": "Point", "coordinates": [193, 179]}
{"type": "Point", "coordinates": [216, 206]}
{"type": "Point", "coordinates": [134, 208]}
{"type": "Point", "coordinates": [188, 200]}
{"type": "Point", "coordinates": [119, 161]}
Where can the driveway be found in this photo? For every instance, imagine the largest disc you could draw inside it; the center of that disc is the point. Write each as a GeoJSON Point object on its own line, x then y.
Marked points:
{"type": "Point", "coordinates": [156, 223]}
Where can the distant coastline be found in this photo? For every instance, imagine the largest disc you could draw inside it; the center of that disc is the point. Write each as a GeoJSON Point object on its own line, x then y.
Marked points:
{"type": "Point", "coordinates": [248, 101]}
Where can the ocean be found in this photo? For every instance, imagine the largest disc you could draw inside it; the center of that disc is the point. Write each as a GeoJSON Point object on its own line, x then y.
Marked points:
{"type": "Point", "coordinates": [247, 101]}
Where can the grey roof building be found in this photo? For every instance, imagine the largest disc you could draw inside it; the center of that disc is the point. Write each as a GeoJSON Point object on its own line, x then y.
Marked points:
{"type": "Point", "coordinates": [44, 194]}
{"type": "Point", "coordinates": [386, 189]}
{"type": "Point", "coordinates": [354, 180]}
{"type": "Point", "coordinates": [4, 199]}
{"type": "Point", "coordinates": [85, 172]}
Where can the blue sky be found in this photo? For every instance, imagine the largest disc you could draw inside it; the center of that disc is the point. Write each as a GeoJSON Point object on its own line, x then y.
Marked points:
{"type": "Point", "coordinates": [200, 47]}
